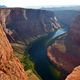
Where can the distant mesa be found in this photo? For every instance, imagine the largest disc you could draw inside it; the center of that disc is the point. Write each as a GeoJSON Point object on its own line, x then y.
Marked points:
{"type": "Point", "coordinates": [62, 8]}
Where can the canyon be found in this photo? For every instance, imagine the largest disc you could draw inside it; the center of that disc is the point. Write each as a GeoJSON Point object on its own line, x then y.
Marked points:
{"type": "Point", "coordinates": [23, 26]}
{"type": "Point", "coordinates": [30, 24]}
{"type": "Point", "coordinates": [65, 15]}
{"type": "Point", "coordinates": [10, 67]}
{"type": "Point", "coordinates": [65, 52]}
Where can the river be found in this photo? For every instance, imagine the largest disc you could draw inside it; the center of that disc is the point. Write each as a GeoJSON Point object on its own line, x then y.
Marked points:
{"type": "Point", "coordinates": [38, 52]}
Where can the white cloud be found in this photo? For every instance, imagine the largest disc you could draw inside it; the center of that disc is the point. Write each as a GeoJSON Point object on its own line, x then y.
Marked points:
{"type": "Point", "coordinates": [38, 3]}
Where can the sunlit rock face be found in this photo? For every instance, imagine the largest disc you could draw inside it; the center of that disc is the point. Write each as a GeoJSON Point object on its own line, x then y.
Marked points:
{"type": "Point", "coordinates": [74, 75]}
{"type": "Point", "coordinates": [10, 66]}
{"type": "Point", "coordinates": [65, 52]}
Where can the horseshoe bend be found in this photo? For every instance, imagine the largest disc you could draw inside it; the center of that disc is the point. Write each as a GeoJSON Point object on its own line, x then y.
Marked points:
{"type": "Point", "coordinates": [36, 45]}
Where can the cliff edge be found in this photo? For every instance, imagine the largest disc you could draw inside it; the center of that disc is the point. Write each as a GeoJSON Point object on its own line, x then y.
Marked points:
{"type": "Point", "coordinates": [10, 67]}
{"type": "Point", "coordinates": [75, 75]}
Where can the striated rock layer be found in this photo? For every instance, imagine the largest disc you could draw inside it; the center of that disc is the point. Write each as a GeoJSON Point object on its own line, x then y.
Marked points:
{"type": "Point", "coordinates": [75, 75]}
{"type": "Point", "coordinates": [10, 66]}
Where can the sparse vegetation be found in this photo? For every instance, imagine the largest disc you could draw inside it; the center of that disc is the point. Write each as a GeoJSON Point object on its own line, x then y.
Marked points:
{"type": "Point", "coordinates": [19, 50]}
{"type": "Point", "coordinates": [27, 63]}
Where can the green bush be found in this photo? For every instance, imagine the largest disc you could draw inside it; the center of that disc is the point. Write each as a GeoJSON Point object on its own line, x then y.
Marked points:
{"type": "Point", "coordinates": [27, 63]}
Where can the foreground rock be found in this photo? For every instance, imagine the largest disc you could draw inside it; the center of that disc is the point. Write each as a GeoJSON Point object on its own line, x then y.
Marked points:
{"type": "Point", "coordinates": [75, 75]}
{"type": "Point", "coordinates": [27, 24]}
{"type": "Point", "coordinates": [10, 66]}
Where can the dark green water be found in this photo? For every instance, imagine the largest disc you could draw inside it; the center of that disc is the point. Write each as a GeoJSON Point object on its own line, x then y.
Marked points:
{"type": "Point", "coordinates": [38, 52]}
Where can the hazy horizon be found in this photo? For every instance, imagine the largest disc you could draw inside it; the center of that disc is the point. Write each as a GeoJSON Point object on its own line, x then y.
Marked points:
{"type": "Point", "coordinates": [39, 3]}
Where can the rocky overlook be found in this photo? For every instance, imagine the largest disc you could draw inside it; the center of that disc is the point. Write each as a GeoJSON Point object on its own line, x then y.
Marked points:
{"type": "Point", "coordinates": [10, 66]}
{"type": "Point", "coordinates": [75, 75]}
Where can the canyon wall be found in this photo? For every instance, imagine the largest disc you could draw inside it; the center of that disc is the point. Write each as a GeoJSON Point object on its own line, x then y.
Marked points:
{"type": "Point", "coordinates": [74, 37]}
{"type": "Point", "coordinates": [65, 52]}
{"type": "Point", "coordinates": [26, 24]}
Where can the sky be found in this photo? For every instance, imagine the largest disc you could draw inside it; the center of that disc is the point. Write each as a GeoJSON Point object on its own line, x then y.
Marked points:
{"type": "Point", "coordinates": [39, 3]}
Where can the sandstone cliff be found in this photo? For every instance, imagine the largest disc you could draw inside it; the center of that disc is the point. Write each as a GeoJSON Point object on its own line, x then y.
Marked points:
{"type": "Point", "coordinates": [75, 75]}
{"type": "Point", "coordinates": [10, 66]}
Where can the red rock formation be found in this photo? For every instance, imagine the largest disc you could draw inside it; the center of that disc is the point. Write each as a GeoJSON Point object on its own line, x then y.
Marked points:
{"type": "Point", "coordinates": [75, 75]}
{"type": "Point", "coordinates": [10, 66]}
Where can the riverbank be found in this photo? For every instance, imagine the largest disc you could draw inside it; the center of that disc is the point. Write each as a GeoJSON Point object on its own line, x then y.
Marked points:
{"type": "Point", "coordinates": [38, 53]}
{"type": "Point", "coordinates": [28, 64]}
